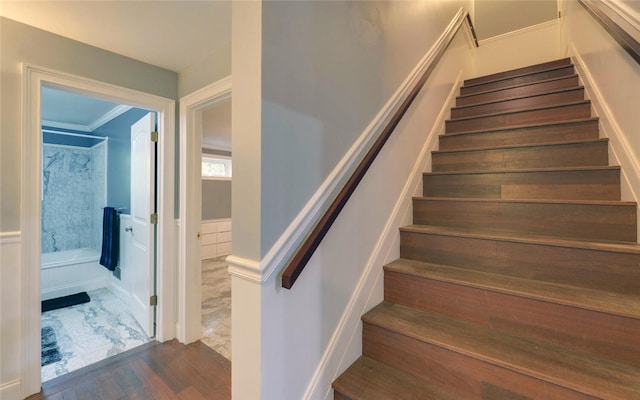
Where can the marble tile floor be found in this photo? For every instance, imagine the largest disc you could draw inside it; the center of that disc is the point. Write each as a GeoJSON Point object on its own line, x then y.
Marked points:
{"type": "Point", "coordinates": [216, 306]}
{"type": "Point", "coordinates": [90, 332]}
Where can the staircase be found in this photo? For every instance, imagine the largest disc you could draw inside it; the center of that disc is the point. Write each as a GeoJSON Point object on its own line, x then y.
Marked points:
{"type": "Point", "coordinates": [520, 278]}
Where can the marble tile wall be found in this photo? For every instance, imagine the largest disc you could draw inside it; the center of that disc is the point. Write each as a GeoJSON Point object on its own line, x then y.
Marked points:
{"type": "Point", "coordinates": [71, 185]}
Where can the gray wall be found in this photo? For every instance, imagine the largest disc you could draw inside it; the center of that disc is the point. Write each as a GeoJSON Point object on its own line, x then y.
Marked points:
{"type": "Point", "coordinates": [327, 69]}
{"type": "Point", "coordinates": [216, 194]}
{"type": "Point", "coordinates": [216, 199]}
{"type": "Point", "coordinates": [21, 43]}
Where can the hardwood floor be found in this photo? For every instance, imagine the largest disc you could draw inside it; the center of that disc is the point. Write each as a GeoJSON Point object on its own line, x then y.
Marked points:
{"type": "Point", "coordinates": [152, 371]}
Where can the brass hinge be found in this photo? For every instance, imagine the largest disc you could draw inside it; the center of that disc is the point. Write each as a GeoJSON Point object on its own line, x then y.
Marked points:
{"type": "Point", "coordinates": [154, 219]}
{"type": "Point", "coordinates": [154, 136]}
{"type": "Point", "coordinates": [199, 235]}
{"type": "Point", "coordinates": [559, 14]}
{"type": "Point", "coordinates": [153, 300]}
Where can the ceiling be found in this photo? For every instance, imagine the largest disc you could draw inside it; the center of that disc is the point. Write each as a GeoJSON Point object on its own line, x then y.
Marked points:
{"type": "Point", "coordinates": [67, 110]}
{"type": "Point", "coordinates": [176, 34]}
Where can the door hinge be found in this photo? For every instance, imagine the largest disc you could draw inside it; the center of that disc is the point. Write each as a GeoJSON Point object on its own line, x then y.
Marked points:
{"type": "Point", "coordinates": [154, 136]}
{"type": "Point", "coordinates": [154, 219]}
{"type": "Point", "coordinates": [199, 235]}
{"type": "Point", "coordinates": [153, 300]}
{"type": "Point", "coordinates": [559, 14]}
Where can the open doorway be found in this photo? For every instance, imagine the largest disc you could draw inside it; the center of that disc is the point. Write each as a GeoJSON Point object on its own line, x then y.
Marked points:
{"type": "Point", "coordinates": [205, 229]}
{"type": "Point", "coordinates": [37, 82]}
{"type": "Point", "coordinates": [217, 175]}
{"type": "Point", "coordinates": [95, 165]}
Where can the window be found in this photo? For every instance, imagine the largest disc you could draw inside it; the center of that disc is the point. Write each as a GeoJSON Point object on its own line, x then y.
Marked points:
{"type": "Point", "coordinates": [216, 167]}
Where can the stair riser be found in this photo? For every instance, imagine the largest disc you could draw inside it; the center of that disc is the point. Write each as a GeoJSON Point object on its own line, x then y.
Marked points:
{"type": "Point", "coordinates": [554, 156]}
{"type": "Point", "coordinates": [572, 266]}
{"type": "Point", "coordinates": [545, 115]}
{"type": "Point", "coordinates": [599, 333]}
{"type": "Point", "coordinates": [518, 80]}
{"type": "Point", "coordinates": [581, 221]}
{"type": "Point", "coordinates": [564, 185]}
{"type": "Point", "coordinates": [517, 91]}
{"type": "Point", "coordinates": [540, 134]}
{"type": "Point", "coordinates": [339, 396]}
{"type": "Point", "coordinates": [466, 376]}
{"type": "Point", "coordinates": [552, 99]}
{"type": "Point", "coordinates": [519, 71]}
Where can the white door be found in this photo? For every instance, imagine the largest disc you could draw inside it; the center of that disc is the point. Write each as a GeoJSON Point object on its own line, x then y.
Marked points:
{"type": "Point", "coordinates": [142, 258]}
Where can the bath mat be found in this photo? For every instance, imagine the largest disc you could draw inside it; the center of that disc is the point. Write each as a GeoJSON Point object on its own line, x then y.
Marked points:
{"type": "Point", "coordinates": [66, 301]}
{"type": "Point", "coordinates": [50, 350]}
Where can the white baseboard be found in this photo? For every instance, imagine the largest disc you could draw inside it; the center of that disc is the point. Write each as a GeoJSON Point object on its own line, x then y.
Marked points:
{"type": "Point", "coordinates": [10, 390]}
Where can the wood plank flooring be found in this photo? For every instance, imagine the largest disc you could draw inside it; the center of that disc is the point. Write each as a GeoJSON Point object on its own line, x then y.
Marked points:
{"type": "Point", "coordinates": [152, 371]}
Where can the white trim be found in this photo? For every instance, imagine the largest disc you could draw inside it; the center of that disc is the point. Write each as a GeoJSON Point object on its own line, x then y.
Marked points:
{"type": "Point", "coordinates": [10, 237]}
{"type": "Point", "coordinates": [108, 116]}
{"type": "Point", "coordinates": [114, 113]}
{"type": "Point", "coordinates": [218, 148]}
{"type": "Point", "coordinates": [10, 390]}
{"type": "Point", "coordinates": [350, 320]}
{"type": "Point", "coordinates": [101, 138]}
{"type": "Point", "coordinates": [189, 269]}
{"type": "Point", "coordinates": [619, 146]}
{"type": "Point", "coordinates": [33, 79]}
{"type": "Point", "coordinates": [518, 32]}
{"type": "Point", "coordinates": [66, 125]}
{"type": "Point", "coordinates": [288, 242]}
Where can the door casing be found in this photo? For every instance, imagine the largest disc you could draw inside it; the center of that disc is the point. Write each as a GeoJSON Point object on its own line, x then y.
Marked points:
{"type": "Point", "coordinates": [33, 79]}
{"type": "Point", "coordinates": [189, 270]}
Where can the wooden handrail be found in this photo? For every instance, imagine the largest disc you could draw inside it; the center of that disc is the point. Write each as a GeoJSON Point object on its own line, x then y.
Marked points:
{"type": "Point", "coordinates": [311, 242]}
{"type": "Point", "coordinates": [626, 41]}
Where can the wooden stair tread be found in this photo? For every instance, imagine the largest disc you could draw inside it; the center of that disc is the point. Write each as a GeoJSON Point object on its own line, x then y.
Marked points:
{"type": "Point", "coordinates": [527, 145]}
{"type": "Point", "coordinates": [545, 66]}
{"type": "Point", "coordinates": [525, 96]}
{"type": "Point", "coordinates": [623, 304]}
{"type": "Point", "coordinates": [531, 201]}
{"type": "Point", "coordinates": [615, 247]}
{"type": "Point", "coordinates": [517, 86]}
{"type": "Point", "coordinates": [524, 126]}
{"type": "Point", "coordinates": [519, 111]}
{"type": "Point", "coordinates": [368, 379]}
{"type": "Point", "coordinates": [528, 170]}
{"type": "Point", "coordinates": [584, 373]}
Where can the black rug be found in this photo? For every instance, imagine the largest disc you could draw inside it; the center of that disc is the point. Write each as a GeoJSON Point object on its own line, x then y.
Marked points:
{"type": "Point", "coordinates": [66, 301]}
{"type": "Point", "coordinates": [50, 350]}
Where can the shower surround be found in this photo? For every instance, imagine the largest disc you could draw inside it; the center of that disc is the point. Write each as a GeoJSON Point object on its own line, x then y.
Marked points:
{"type": "Point", "coordinates": [73, 195]}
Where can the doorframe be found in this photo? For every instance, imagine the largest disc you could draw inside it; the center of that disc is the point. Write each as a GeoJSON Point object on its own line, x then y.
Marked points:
{"type": "Point", "coordinates": [33, 79]}
{"type": "Point", "coordinates": [190, 267]}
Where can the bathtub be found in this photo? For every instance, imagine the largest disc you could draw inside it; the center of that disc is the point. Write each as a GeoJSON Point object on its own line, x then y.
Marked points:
{"type": "Point", "coordinates": [71, 271]}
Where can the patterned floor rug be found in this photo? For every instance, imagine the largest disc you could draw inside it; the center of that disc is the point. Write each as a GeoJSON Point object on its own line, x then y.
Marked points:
{"type": "Point", "coordinates": [50, 350]}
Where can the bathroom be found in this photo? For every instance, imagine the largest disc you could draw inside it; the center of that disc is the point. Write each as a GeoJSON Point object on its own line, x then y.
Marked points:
{"type": "Point", "coordinates": [86, 166]}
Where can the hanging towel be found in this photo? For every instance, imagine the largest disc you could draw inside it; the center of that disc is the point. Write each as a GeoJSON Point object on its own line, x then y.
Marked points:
{"type": "Point", "coordinates": [110, 238]}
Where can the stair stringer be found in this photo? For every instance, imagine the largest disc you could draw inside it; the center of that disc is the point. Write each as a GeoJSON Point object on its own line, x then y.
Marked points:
{"type": "Point", "coordinates": [620, 151]}
{"type": "Point", "coordinates": [345, 345]}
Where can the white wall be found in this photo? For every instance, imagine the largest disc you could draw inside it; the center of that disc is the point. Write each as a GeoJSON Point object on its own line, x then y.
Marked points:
{"type": "Point", "coordinates": [519, 49]}
{"type": "Point", "coordinates": [611, 78]}
{"type": "Point", "coordinates": [325, 74]}
{"type": "Point", "coordinates": [212, 68]}
{"type": "Point", "coordinates": [10, 293]}
{"type": "Point", "coordinates": [497, 17]}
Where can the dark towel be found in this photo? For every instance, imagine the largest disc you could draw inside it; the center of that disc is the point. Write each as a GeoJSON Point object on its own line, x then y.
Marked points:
{"type": "Point", "coordinates": [110, 238]}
